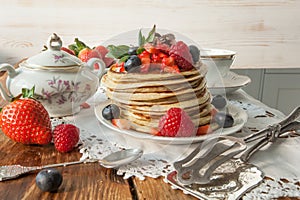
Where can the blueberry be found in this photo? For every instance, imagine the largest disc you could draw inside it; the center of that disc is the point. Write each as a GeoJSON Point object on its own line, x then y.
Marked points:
{"type": "Point", "coordinates": [224, 120]}
{"type": "Point", "coordinates": [111, 111]}
{"type": "Point", "coordinates": [219, 102]}
{"type": "Point", "coordinates": [132, 63]}
{"type": "Point", "coordinates": [195, 52]}
{"type": "Point", "coordinates": [132, 50]}
{"type": "Point", "coordinates": [49, 180]}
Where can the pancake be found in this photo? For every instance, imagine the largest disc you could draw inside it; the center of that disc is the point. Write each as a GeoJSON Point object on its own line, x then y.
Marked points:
{"type": "Point", "coordinates": [145, 98]}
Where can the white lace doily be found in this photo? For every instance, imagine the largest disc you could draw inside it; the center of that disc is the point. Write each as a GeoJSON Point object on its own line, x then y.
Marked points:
{"type": "Point", "coordinates": [98, 141]}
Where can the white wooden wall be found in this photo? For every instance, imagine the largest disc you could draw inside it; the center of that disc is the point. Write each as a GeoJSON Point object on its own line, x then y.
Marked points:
{"type": "Point", "coordinates": [264, 33]}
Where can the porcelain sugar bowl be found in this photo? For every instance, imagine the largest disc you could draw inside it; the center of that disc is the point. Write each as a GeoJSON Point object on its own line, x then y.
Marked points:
{"type": "Point", "coordinates": [62, 81]}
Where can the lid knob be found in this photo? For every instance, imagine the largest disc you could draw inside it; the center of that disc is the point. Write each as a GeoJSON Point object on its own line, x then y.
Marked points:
{"type": "Point", "coordinates": [54, 42]}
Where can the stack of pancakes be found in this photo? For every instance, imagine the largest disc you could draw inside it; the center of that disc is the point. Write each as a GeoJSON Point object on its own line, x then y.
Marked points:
{"type": "Point", "coordinates": [145, 98]}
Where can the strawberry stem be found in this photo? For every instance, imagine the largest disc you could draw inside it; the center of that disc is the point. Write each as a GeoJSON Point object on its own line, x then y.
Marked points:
{"type": "Point", "coordinates": [28, 93]}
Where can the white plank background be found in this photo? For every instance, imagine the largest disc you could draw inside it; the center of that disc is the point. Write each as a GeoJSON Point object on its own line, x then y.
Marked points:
{"type": "Point", "coordinates": [264, 33]}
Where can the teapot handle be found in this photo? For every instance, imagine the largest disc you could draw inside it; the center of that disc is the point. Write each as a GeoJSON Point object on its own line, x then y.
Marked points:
{"type": "Point", "coordinates": [101, 70]}
{"type": "Point", "coordinates": [11, 73]}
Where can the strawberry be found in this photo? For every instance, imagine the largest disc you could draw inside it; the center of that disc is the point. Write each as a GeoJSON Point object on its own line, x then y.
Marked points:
{"type": "Point", "coordinates": [150, 48]}
{"type": "Point", "coordinates": [68, 50]}
{"type": "Point", "coordinates": [121, 123]}
{"type": "Point", "coordinates": [66, 137]}
{"type": "Point", "coordinates": [87, 53]}
{"type": "Point", "coordinates": [25, 120]}
{"type": "Point", "coordinates": [171, 69]}
{"type": "Point", "coordinates": [202, 130]}
{"type": "Point", "coordinates": [181, 53]}
{"type": "Point", "coordinates": [118, 67]}
{"type": "Point", "coordinates": [102, 50]}
{"type": "Point", "coordinates": [168, 61]}
{"type": "Point", "coordinates": [176, 123]}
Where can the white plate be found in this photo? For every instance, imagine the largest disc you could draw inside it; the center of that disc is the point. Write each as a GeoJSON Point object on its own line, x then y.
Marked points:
{"type": "Point", "coordinates": [240, 117]}
{"type": "Point", "coordinates": [231, 83]}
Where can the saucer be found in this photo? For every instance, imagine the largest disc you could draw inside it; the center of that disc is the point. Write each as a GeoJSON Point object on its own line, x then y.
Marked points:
{"type": "Point", "coordinates": [230, 83]}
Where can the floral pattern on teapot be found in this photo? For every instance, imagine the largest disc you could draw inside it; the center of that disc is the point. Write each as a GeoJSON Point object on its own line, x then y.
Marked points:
{"type": "Point", "coordinates": [64, 91]}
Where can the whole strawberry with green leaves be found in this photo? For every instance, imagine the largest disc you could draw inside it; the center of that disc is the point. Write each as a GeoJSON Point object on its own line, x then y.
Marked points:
{"type": "Point", "coordinates": [26, 120]}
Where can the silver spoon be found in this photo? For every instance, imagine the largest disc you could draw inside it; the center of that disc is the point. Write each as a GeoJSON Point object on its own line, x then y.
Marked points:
{"type": "Point", "coordinates": [113, 160]}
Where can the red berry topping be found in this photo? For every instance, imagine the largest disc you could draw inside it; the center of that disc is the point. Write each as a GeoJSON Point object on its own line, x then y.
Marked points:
{"type": "Point", "coordinates": [121, 123]}
{"type": "Point", "coordinates": [102, 50]}
{"type": "Point", "coordinates": [66, 137]}
{"type": "Point", "coordinates": [181, 53]}
{"type": "Point", "coordinates": [176, 123]}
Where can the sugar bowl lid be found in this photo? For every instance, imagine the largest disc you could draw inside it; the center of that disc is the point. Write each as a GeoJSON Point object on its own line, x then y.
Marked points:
{"type": "Point", "coordinates": [53, 57]}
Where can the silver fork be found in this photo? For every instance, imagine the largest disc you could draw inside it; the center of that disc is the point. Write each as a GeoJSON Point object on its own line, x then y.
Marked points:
{"type": "Point", "coordinates": [199, 166]}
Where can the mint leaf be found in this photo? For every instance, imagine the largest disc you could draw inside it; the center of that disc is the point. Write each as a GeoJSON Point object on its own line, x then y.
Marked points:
{"type": "Point", "coordinates": [151, 34]}
{"type": "Point", "coordinates": [141, 39]}
{"type": "Point", "coordinates": [117, 51]}
{"type": "Point", "coordinates": [124, 59]}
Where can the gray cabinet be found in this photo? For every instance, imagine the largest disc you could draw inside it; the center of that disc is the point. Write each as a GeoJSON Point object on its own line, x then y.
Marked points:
{"type": "Point", "coordinates": [278, 88]}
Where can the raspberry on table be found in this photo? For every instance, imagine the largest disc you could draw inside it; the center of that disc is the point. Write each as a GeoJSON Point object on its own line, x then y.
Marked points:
{"type": "Point", "coordinates": [66, 137]}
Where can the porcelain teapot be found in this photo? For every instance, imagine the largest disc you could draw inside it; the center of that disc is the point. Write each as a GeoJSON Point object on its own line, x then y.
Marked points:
{"type": "Point", "coordinates": [62, 81]}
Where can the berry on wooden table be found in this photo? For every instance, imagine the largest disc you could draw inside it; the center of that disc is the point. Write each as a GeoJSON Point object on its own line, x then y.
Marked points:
{"type": "Point", "coordinates": [66, 137]}
{"type": "Point", "coordinates": [26, 120]}
{"type": "Point", "coordinates": [49, 180]}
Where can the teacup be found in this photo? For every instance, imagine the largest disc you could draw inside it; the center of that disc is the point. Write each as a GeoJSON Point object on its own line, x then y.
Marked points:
{"type": "Point", "coordinates": [218, 62]}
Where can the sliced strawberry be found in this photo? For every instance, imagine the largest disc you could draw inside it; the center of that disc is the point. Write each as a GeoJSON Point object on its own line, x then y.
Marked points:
{"type": "Point", "coordinates": [144, 54]}
{"type": "Point", "coordinates": [150, 48]}
{"type": "Point", "coordinates": [121, 123]}
{"type": "Point", "coordinates": [171, 69]}
{"type": "Point", "coordinates": [176, 123]}
{"type": "Point", "coordinates": [84, 54]}
{"type": "Point", "coordinates": [102, 50]}
{"type": "Point", "coordinates": [68, 50]}
{"type": "Point", "coordinates": [118, 67]}
{"type": "Point", "coordinates": [168, 61]}
{"type": "Point", "coordinates": [145, 68]}
{"type": "Point", "coordinates": [202, 130]}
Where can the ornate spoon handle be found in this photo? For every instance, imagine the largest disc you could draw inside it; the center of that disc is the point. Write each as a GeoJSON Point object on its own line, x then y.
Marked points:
{"type": "Point", "coordinates": [14, 171]}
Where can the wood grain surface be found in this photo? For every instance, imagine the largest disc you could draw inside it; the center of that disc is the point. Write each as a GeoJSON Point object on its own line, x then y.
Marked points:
{"type": "Point", "coordinates": [264, 33]}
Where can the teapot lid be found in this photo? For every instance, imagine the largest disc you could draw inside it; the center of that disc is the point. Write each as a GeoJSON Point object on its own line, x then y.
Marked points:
{"type": "Point", "coordinates": [53, 57]}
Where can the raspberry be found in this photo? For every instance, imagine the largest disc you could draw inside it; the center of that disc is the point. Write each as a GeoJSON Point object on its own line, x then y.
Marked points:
{"type": "Point", "coordinates": [176, 123]}
{"type": "Point", "coordinates": [66, 137]}
{"type": "Point", "coordinates": [181, 53]}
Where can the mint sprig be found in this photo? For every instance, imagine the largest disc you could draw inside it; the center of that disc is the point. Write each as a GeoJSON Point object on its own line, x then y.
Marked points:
{"type": "Point", "coordinates": [143, 40]}
{"type": "Point", "coordinates": [78, 46]}
{"type": "Point", "coordinates": [117, 51]}
{"type": "Point", "coordinates": [120, 52]}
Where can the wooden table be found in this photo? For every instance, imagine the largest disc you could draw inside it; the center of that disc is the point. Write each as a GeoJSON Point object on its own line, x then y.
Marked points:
{"type": "Point", "coordinates": [85, 181]}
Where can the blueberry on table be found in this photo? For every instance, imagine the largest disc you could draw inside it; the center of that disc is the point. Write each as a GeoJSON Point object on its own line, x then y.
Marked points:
{"type": "Point", "coordinates": [132, 63]}
{"type": "Point", "coordinates": [49, 180]}
{"type": "Point", "coordinates": [111, 111]}
{"type": "Point", "coordinates": [219, 101]}
{"type": "Point", "coordinates": [224, 120]}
